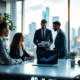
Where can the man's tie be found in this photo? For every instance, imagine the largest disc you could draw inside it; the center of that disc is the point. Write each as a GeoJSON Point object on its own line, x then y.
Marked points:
{"type": "Point", "coordinates": [43, 35]}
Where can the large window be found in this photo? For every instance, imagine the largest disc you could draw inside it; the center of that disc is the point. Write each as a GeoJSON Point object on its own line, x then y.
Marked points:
{"type": "Point", "coordinates": [19, 11]}
{"type": "Point", "coordinates": [15, 17]}
{"type": "Point", "coordinates": [51, 10]}
{"type": "Point", "coordinates": [75, 25]}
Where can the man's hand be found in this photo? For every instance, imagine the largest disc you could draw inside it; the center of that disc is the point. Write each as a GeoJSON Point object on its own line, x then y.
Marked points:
{"type": "Point", "coordinates": [20, 60]}
{"type": "Point", "coordinates": [47, 45]}
{"type": "Point", "coordinates": [30, 58]}
{"type": "Point", "coordinates": [40, 45]}
{"type": "Point", "coordinates": [79, 62]}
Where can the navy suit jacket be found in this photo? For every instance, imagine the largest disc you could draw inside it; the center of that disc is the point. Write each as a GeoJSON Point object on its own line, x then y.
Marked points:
{"type": "Point", "coordinates": [38, 38]}
{"type": "Point", "coordinates": [60, 44]}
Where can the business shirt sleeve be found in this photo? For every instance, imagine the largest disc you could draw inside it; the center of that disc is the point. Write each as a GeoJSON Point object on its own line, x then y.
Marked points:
{"type": "Point", "coordinates": [62, 42]}
{"type": "Point", "coordinates": [5, 57]}
{"type": "Point", "coordinates": [35, 39]}
{"type": "Point", "coordinates": [51, 39]}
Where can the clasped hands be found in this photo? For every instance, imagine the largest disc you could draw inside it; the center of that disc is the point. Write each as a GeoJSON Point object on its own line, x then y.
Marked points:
{"type": "Point", "coordinates": [28, 58]}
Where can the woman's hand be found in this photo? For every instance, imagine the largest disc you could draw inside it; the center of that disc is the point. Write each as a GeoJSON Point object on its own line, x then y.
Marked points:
{"type": "Point", "coordinates": [30, 58]}
{"type": "Point", "coordinates": [20, 60]}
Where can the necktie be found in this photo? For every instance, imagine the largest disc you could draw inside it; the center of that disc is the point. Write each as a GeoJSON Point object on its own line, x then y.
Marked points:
{"type": "Point", "coordinates": [43, 35]}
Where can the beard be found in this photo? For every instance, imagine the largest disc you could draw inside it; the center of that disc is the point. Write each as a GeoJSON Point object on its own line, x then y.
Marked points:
{"type": "Point", "coordinates": [55, 29]}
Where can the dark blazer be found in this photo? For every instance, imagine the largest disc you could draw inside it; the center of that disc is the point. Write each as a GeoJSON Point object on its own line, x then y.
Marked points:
{"type": "Point", "coordinates": [60, 44]}
{"type": "Point", "coordinates": [38, 38]}
{"type": "Point", "coordinates": [14, 53]}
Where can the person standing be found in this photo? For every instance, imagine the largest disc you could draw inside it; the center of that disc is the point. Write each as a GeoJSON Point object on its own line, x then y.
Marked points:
{"type": "Point", "coordinates": [60, 41]}
{"type": "Point", "coordinates": [43, 34]}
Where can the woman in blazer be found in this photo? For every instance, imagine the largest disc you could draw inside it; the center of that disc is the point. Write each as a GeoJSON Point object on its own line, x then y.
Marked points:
{"type": "Point", "coordinates": [5, 59]}
{"type": "Point", "coordinates": [17, 49]}
{"type": "Point", "coordinates": [4, 55]}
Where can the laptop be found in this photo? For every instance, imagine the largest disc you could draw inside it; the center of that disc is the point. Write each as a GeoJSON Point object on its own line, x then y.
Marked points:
{"type": "Point", "coordinates": [47, 58]}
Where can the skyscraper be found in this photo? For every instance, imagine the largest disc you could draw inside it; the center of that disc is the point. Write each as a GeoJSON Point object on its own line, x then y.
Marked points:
{"type": "Point", "coordinates": [66, 33]}
{"type": "Point", "coordinates": [78, 31]}
{"type": "Point", "coordinates": [26, 40]}
{"type": "Point", "coordinates": [73, 33]}
{"type": "Point", "coordinates": [45, 15]}
{"type": "Point", "coordinates": [32, 28]}
{"type": "Point", "coordinates": [55, 18]}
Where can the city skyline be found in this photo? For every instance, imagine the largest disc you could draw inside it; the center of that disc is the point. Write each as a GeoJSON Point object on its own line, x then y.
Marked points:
{"type": "Point", "coordinates": [33, 13]}
{"type": "Point", "coordinates": [45, 15]}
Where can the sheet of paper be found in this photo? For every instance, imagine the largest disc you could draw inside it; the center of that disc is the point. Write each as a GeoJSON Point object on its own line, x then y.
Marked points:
{"type": "Point", "coordinates": [43, 43]}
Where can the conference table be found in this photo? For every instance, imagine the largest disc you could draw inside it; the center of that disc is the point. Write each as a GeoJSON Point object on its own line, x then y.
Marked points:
{"type": "Point", "coordinates": [62, 70]}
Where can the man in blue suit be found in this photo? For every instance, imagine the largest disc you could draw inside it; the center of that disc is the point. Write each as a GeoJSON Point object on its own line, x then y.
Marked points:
{"type": "Point", "coordinates": [60, 41]}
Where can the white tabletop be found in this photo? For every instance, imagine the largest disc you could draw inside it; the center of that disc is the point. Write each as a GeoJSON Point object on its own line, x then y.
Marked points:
{"type": "Point", "coordinates": [62, 70]}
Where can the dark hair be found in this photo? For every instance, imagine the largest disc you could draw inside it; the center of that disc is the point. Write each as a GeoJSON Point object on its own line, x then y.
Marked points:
{"type": "Point", "coordinates": [3, 24]}
{"type": "Point", "coordinates": [57, 23]}
{"type": "Point", "coordinates": [43, 21]}
{"type": "Point", "coordinates": [16, 40]}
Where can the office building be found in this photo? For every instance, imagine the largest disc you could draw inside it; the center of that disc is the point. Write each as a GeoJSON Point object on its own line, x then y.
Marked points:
{"type": "Point", "coordinates": [73, 33]}
{"type": "Point", "coordinates": [45, 15]}
{"type": "Point", "coordinates": [26, 40]}
{"type": "Point", "coordinates": [66, 33]}
{"type": "Point", "coordinates": [78, 31]}
{"type": "Point", "coordinates": [32, 28]}
{"type": "Point", "coordinates": [55, 18]}
{"type": "Point", "coordinates": [31, 59]}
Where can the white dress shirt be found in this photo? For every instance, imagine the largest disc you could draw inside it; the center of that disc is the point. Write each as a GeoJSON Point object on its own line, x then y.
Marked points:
{"type": "Point", "coordinates": [21, 52]}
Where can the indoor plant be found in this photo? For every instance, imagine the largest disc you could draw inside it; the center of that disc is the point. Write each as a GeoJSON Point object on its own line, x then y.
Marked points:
{"type": "Point", "coordinates": [7, 18]}
{"type": "Point", "coordinates": [73, 54]}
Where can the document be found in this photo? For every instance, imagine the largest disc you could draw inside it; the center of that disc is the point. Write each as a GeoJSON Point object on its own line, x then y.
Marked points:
{"type": "Point", "coordinates": [43, 43]}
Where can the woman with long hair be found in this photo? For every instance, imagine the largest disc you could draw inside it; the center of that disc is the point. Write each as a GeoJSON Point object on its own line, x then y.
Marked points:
{"type": "Point", "coordinates": [4, 55]}
{"type": "Point", "coordinates": [5, 59]}
{"type": "Point", "coordinates": [17, 49]}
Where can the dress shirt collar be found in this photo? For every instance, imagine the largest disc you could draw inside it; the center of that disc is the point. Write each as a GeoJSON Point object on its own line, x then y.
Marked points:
{"type": "Point", "coordinates": [42, 29]}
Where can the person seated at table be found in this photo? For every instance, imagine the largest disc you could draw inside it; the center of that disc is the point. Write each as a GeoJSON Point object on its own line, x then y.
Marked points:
{"type": "Point", "coordinates": [5, 59]}
{"type": "Point", "coordinates": [4, 55]}
{"type": "Point", "coordinates": [17, 48]}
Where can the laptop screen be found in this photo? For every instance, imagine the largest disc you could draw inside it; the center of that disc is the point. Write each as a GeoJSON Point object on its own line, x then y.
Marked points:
{"type": "Point", "coordinates": [48, 57]}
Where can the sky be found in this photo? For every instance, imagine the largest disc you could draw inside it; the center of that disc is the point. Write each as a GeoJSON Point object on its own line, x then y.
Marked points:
{"type": "Point", "coordinates": [34, 8]}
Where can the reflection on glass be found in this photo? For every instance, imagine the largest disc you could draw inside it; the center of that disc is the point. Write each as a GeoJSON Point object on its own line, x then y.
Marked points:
{"type": "Point", "coordinates": [75, 26]}
{"type": "Point", "coordinates": [51, 10]}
